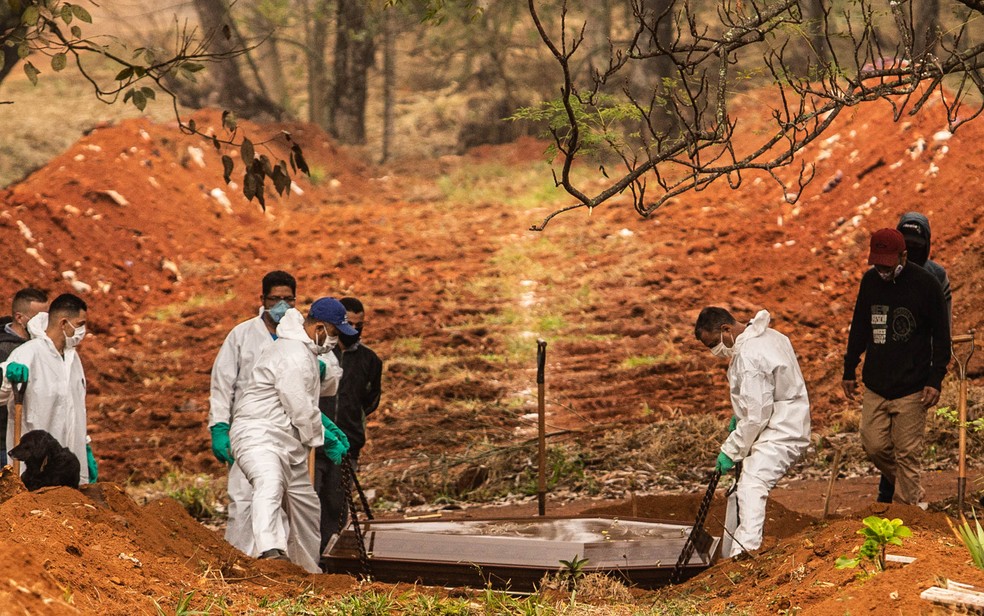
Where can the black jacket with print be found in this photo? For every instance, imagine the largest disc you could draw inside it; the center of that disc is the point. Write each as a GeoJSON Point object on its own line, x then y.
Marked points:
{"type": "Point", "coordinates": [903, 329]}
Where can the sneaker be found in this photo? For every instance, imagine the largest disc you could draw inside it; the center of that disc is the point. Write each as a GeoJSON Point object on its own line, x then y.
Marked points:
{"type": "Point", "coordinates": [274, 554]}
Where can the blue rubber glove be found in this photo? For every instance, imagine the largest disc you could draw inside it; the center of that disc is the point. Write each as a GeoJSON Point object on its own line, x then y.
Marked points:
{"type": "Point", "coordinates": [221, 447]}
{"type": "Point", "coordinates": [91, 460]}
{"type": "Point", "coordinates": [733, 423]}
{"type": "Point", "coordinates": [724, 463]}
{"type": "Point", "coordinates": [17, 373]}
{"type": "Point", "coordinates": [322, 368]}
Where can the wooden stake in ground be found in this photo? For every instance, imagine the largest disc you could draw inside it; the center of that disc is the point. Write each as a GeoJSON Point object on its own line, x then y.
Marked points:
{"type": "Point", "coordinates": [834, 469]}
{"type": "Point", "coordinates": [541, 490]}
{"type": "Point", "coordinates": [962, 412]}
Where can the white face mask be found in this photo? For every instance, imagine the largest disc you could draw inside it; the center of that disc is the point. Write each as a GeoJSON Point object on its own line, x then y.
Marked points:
{"type": "Point", "coordinates": [76, 338]}
{"type": "Point", "coordinates": [891, 275]}
{"type": "Point", "coordinates": [328, 344]}
{"type": "Point", "coordinates": [722, 350]}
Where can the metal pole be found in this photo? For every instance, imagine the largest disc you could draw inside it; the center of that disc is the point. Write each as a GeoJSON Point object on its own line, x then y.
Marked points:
{"type": "Point", "coordinates": [541, 493]}
{"type": "Point", "coordinates": [962, 415]}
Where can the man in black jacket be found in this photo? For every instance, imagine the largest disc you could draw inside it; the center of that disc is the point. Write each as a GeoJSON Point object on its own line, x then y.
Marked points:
{"type": "Point", "coordinates": [27, 303]}
{"type": "Point", "coordinates": [357, 397]}
{"type": "Point", "coordinates": [901, 326]}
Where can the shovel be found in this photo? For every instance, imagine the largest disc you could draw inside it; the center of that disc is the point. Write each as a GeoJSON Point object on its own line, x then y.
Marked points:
{"type": "Point", "coordinates": [19, 389]}
{"type": "Point", "coordinates": [962, 410]}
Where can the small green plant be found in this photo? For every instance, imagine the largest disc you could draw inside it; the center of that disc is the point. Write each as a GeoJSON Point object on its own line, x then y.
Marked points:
{"type": "Point", "coordinates": [878, 534]}
{"type": "Point", "coordinates": [953, 417]}
{"type": "Point", "coordinates": [972, 538]}
{"type": "Point", "coordinates": [573, 570]}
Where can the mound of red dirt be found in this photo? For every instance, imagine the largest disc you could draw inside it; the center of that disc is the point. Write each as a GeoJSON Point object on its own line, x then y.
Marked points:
{"type": "Point", "coordinates": [96, 551]}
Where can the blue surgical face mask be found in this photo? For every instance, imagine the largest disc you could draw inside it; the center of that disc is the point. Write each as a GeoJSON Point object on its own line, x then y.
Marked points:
{"type": "Point", "coordinates": [278, 311]}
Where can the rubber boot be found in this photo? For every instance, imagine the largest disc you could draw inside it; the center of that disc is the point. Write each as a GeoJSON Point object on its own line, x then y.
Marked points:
{"type": "Point", "coordinates": [886, 490]}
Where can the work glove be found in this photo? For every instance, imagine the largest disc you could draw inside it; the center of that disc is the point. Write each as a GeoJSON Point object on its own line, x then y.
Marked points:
{"type": "Point", "coordinates": [322, 368]}
{"type": "Point", "coordinates": [724, 463]}
{"type": "Point", "coordinates": [17, 373]}
{"type": "Point", "coordinates": [733, 423]}
{"type": "Point", "coordinates": [91, 460]}
{"type": "Point", "coordinates": [336, 443]}
{"type": "Point", "coordinates": [221, 447]}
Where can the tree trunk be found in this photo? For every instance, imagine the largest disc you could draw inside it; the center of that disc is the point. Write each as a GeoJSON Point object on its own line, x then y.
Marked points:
{"type": "Point", "coordinates": [229, 89]}
{"type": "Point", "coordinates": [925, 34]}
{"type": "Point", "coordinates": [598, 32]}
{"type": "Point", "coordinates": [316, 22]}
{"type": "Point", "coordinates": [389, 80]}
{"type": "Point", "coordinates": [268, 58]}
{"type": "Point", "coordinates": [354, 51]}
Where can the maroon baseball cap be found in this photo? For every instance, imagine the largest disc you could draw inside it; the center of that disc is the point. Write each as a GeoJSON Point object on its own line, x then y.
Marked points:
{"type": "Point", "coordinates": [886, 246]}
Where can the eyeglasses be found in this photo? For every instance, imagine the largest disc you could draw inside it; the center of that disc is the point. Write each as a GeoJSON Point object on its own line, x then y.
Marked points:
{"type": "Point", "coordinates": [281, 298]}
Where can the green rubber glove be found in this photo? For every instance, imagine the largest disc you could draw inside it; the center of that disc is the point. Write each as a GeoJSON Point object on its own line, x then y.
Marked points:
{"type": "Point", "coordinates": [17, 373]}
{"type": "Point", "coordinates": [322, 368]}
{"type": "Point", "coordinates": [336, 443]}
{"type": "Point", "coordinates": [333, 431]}
{"type": "Point", "coordinates": [724, 463]}
{"type": "Point", "coordinates": [91, 460]}
{"type": "Point", "coordinates": [221, 447]}
{"type": "Point", "coordinates": [733, 423]}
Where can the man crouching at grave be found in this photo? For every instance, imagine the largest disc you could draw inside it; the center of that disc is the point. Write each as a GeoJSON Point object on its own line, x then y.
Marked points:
{"type": "Point", "coordinates": [771, 426]}
{"type": "Point", "coordinates": [277, 422]}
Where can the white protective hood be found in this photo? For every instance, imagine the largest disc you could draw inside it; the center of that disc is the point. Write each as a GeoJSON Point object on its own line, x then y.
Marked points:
{"type": "Point", "coordinates": [768, 393]}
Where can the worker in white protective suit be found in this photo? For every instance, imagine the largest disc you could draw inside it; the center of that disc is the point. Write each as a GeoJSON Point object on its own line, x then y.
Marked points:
{"type": "Point", "coordinates": [54, 397]}
{"type": "Point", "coordinates": [770, 429]}
{"type": "Point", "coordinates": [276, 423]}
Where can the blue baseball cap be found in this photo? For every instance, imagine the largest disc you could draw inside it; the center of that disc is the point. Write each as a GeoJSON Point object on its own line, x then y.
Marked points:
{"type": "Point", "coordinates": [330, 310]}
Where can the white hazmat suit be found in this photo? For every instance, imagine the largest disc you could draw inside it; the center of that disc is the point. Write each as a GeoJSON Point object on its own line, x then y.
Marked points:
{"type": "Point", "coordinates": [769, 399]}
{"type": "Point", "coordinates": [54, 400]}
{"type": "Point", "coordinates": [231, 371]}
{"type": "Point", "coordinates": [276, 423]}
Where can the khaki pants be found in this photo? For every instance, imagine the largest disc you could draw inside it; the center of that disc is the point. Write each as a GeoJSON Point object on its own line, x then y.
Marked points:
{"type": "Point", "coordinates": [892, 434]}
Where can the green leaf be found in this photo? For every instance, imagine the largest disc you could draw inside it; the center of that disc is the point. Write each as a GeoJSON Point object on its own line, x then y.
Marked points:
{"type": "Point", "coordinates": [149, 93]}
{"type": "Point", "coordinates": [66, 13]}
{"type": "Point", "coordinates": [81, 14]}
{"type": "Point", "coordinates": [229, 121]}
{"type": "Point", "coordinates": [77, 32]}
{"type": "Point", "coordinates": [192, 67]}
{"type": "Point", "coordinates": [192, 126]}
{"type": "Point", "coordinates": [23, 51]}
{"type": "Point", "coordinates": [32, 73]}
{"type": "Point", "coordinates": [124, 74]}
{"type": "Point", "coordinates": [30, 16]}
{"type": "Point", "coordinates": [246, 151]}
{"type": "Point", "coordinates": [844, 562]}
{"type": "Point", "coordinates": [139, 100]}
{"type": "Point", "coordinates": [297, 158]}
{"type": "Point", "coordinates": [3, 61]}
{"type": "Point", "coordinates": [227, 167]}
{"type": "Point", "coordinates": [59, 61]}
{"type": "Point", "coordinates": [249, 186]}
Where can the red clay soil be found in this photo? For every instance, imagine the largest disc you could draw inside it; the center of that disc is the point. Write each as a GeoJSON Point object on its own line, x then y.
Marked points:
{"type": "Point", "coordinates": [98, 552]}
{"type": "Point", "coordinates": [388, 235]}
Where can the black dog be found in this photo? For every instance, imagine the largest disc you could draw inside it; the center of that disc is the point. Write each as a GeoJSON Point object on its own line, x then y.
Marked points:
{"type": "Point", "coordinates": [47, 462]}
